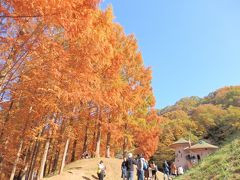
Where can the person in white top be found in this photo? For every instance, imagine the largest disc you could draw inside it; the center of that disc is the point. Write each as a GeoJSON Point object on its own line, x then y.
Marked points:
{"type": "Point", "coordinates": [180, 170]}
{"type": "Point", "coordinates": [101, 171]}
{"type": "Point", "coordinates": [152, 171]}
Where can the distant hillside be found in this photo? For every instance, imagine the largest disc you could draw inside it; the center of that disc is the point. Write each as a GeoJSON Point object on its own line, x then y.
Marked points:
{"type": "Point", "coordinates": [224, 164]}
{"type": "Point", "coordinates": [213, 118]}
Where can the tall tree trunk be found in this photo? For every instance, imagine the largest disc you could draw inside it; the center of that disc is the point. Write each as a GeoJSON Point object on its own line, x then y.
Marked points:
{"type": "Point", "coordinates": [64, 156]}
{"type": "Point", "coordinates": [108, 144]}
{"type": "Point", "coordinates": [98, 141]}
{"type": "Point", "coordinates": [26, 161]}
{"type": "Point", "coordinates": [16, 161]}
{"type": "Point", "coordinates": [33, 159]}
{"type": "Point", "coordinates": [27, 151]}
{"type": "Point", "coordinates": [74, 150]}
{"type": "Point", "coordinates": [99, 133]}
{"type": "Point", "coordinates": [19, 174]}
{"type": "Point", "coordinates": [34, 162]}
{"type": "Point", "coordinates": [6, 120]}
{"type": "Point", "coordinates": [55, 161]}
{"type": "Point", "coordinates": [2, 141]}
{"type": "Point", "coordinates": [125, 143]}
{"type": "Point", "coordinates": [45, 169]}
{"type": "Point", "coordinates": [124, 146]}
{"type": "Point", "coordinates": [44, 158]}
{"type": "Point", "coordinates": [2, 158]}
{"type": "Point", "coordinates": [49, 165]}
{"type": "Point", "coordinates": [24, 173]}
{"type": "Point", "coordinates": [85, 138]}
{"type": "Point", "coordinates": [94, 141]}
{"type": "Point", "coordinates": [53, 156]}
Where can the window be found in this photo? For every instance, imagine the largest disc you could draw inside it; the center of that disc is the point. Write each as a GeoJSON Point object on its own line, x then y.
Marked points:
{"type": "Point", "coordinates": [198, 157]}
{"type": "Point", "coordinates": [188, 157]}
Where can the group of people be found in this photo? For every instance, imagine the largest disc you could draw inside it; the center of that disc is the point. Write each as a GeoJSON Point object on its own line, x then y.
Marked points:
{"type": "Point", "coordinates": [85, 155]}
{"type": "Point", "coordinates": [145, 170]}
{"type": "Point", "coordinates": [172, 170]}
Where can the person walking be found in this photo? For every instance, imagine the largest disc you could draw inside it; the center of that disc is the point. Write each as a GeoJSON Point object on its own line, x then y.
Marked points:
{"type": "Point", "coordinates": [166, 170]}
{"type": "Point", "coordinates": [101, 170]}
{"type": "Point", "coordinates": [141, 166]}
{"type": "Point", "coordinates": [152, 171]}
{"type": "Point", "coordinates": [173, 169]}
{"type": "Point", "coordinates": [130, 168]}
{"type": "Point", "coordinates": [124, 169]}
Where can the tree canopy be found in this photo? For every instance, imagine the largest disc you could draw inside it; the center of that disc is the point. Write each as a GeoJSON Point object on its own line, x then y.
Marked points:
{"type": "Point", "coordinates": [71, 81]}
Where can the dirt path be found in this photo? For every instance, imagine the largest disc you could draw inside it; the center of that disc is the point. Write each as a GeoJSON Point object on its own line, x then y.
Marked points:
{"type": "Point", "coordinates": [86, 170]}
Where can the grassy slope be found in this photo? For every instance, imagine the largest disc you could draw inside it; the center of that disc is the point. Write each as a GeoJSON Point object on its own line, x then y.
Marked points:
{"type": "Point", "coordinates": [224, 164]}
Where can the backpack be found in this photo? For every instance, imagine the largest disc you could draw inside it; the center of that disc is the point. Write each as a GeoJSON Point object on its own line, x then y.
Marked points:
{"type": "Point", "coordinates": [99, 171]}
{"type": "Point", "coordinates": [145, 166]}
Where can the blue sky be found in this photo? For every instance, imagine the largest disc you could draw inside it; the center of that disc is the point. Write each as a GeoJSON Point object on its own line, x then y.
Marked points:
{"type": "Point", "coordinates": [193, 46]}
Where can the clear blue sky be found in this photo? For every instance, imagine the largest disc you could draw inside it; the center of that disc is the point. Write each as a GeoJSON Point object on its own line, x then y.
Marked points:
{"type": "Point", "coordinates": [193, 46]}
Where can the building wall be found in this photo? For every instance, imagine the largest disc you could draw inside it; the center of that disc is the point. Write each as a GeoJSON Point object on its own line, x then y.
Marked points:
{"type": "Point", "coordinates": [202, 153]}
{"type": "Point", "coordinates": [180, 156]}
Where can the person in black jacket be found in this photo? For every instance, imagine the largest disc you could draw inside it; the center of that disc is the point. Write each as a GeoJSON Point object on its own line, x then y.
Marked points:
{"type": "Point", "coordinates": [130, 168]}
{"type": "Point", "coordinates": [124, 169]}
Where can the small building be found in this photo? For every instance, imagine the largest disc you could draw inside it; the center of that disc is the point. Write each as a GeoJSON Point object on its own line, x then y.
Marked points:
{"type": "Point", "coordinates": [180, 153]}
{"type": "Point", "coordinates": [186, 154]}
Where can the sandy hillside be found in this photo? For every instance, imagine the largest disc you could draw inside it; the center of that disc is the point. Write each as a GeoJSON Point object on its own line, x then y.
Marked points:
{"type": "Point", "coordinates": [86, 170]}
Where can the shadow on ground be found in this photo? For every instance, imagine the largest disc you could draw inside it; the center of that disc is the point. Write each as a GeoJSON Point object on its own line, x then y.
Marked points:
{"type": "Point", "coordinates": [95, 177]}
{"type": "Point", "coordinates": [75, 168]}
{"type": "Point", "coordinates": [86, 178]}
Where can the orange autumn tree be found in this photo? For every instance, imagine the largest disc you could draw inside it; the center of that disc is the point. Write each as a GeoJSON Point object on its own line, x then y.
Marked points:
{"type": "Point", "coordinates": [137, 98]}
{"type": "Point", "coordinates": [44, 42]}
{"type": "Point", "coordinates": [23, 22]}
{"type": "Point", "coordinates": [64, 71]}
{"type": "Point", "coordinates": [149, 132]}
{"type": "Point", "coordinates": [57, 84]}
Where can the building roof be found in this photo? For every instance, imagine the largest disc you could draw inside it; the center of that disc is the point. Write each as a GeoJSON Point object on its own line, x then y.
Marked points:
{"type": "Point", "coordinates": [181, 141]}
{"type": "Point", "coordinates": [203, 145]}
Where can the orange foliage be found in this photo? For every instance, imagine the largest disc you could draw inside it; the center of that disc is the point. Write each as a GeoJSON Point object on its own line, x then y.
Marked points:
{"type": "Point", "coordinates": [69, 74]}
